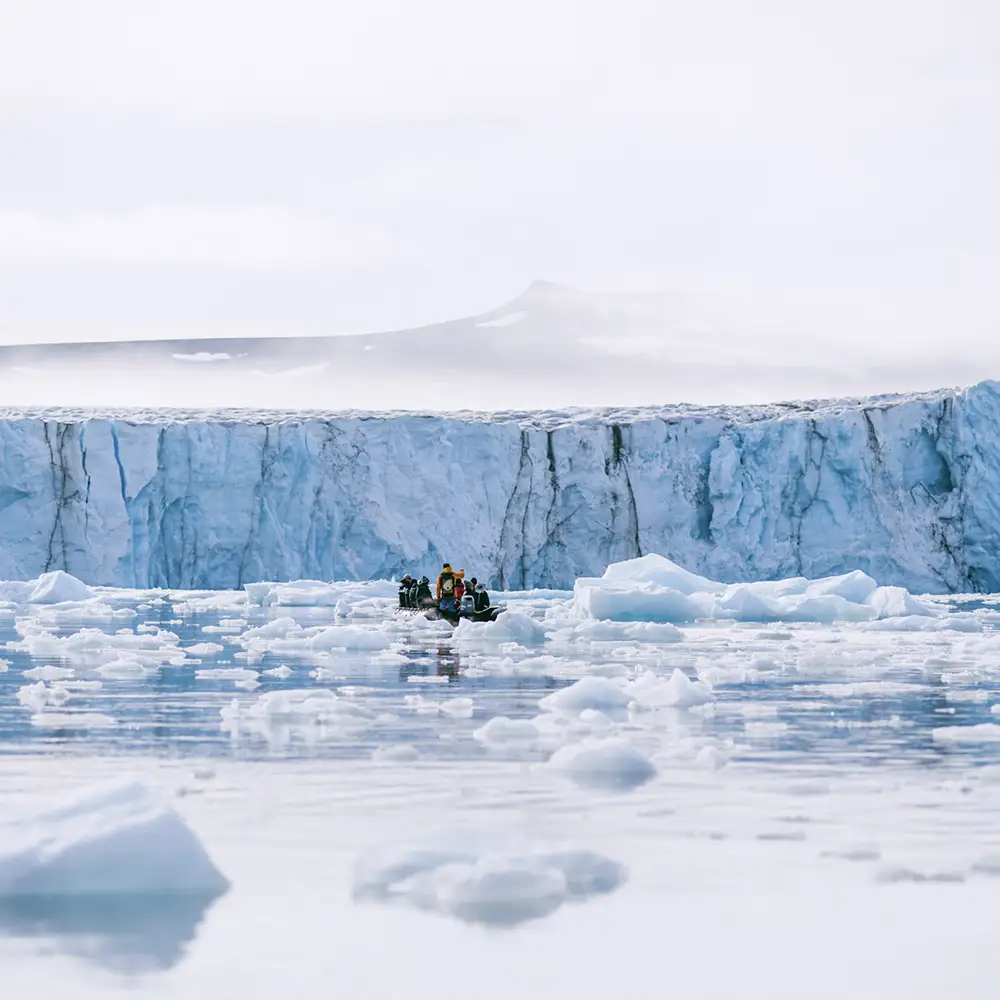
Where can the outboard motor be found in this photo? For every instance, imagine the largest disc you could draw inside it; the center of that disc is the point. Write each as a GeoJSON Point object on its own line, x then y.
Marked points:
{"type": "Point", "coordinates": [467, 605]}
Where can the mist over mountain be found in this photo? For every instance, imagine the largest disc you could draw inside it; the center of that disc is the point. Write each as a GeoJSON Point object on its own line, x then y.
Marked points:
{"type": "Point", "coordinates": [551, 346]}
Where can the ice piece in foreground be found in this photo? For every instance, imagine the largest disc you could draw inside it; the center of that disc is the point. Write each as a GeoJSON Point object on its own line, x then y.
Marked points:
{"type": "Point", "coordinates": [654, 589]}
{"type": "Point", "coordinates": [115, 838]}
{"type": "Point", "coordinates": [483, 886]}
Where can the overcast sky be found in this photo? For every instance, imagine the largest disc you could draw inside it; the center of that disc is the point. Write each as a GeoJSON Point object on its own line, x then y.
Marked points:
{"type": "Point", "coordinates": [220, 167]}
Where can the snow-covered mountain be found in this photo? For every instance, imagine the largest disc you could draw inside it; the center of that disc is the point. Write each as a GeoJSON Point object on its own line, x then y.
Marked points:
{"type": "Point", "coordinates": [905, 488]}
{"type": "Point", "coordinates": [551, 346]}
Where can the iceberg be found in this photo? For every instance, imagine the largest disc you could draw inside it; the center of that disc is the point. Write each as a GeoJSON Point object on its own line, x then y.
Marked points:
{"type": "Point", "coordinates": [902, 489]}
{"type": "Point", "coordinates": [654, 589]}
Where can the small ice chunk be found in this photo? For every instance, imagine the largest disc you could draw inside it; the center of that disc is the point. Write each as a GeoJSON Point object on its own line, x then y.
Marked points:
{"type": "Point", "coordinates": [483, 886]}
{"type": "Point", "coordinates": [605, 764]}
{"type": "Point", "coordinates": [125, 669]}
{"type": "Point", "coordinates": [34, 696]}
{"type": "Point", "coordinates": [679, 691]}
{"type": "Point", "coordinates": [48, 673]}
{"type": "Point", "coordinates": [457, 708]}
{"type": "Point", "coordinates": [598, 693]}
{"type": "Point", "coordinates": [502, 733]}
{"type": "Point", "coordinates": [398, 753]}
{"type": "Point", "coordinates": [204, 649]}
{"type": "Point", "coordinates": [985, 732]}
{"type": "Point", "coordinates": [226, 674]}
{"type": "Point", "coordinates": [73, 720]}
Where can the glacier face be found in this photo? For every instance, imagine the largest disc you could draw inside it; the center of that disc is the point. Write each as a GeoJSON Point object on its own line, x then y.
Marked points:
{"type": "Point", "coordinates": [905, 488]}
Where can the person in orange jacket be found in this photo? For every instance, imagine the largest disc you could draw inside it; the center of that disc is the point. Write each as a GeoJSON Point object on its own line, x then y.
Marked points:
{"type": "Point", "coordinates": [446, 584]}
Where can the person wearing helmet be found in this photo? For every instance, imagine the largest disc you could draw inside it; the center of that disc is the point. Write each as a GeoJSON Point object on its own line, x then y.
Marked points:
{"type": "Point", "coordinates": [446, 581]}
{"type": "Point", "coordinates": [482, 598]}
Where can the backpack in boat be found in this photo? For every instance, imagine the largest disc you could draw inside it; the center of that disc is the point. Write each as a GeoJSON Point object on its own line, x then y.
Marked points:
{"type": "Point", "coordinates": [447, 584]}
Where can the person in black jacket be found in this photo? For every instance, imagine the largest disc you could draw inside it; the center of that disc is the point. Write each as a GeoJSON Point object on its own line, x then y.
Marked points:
{"type": "Point", "coordinates": [482, 598]}
{"type": "Point", "coordinates": [405, 591]}
{"type": "Point", "coordinates": [424, 597]}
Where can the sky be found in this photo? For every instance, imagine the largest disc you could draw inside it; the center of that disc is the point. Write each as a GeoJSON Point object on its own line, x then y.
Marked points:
{"type": "Point", "coordinates": [239, 168]}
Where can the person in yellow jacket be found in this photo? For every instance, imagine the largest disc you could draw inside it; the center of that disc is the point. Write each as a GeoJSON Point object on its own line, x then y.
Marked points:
{"type": "Point", "coordinates": [447, 579]}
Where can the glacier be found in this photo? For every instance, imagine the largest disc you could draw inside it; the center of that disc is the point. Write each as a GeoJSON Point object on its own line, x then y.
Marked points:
{"type": "Point", "coordinates": [904, 488]}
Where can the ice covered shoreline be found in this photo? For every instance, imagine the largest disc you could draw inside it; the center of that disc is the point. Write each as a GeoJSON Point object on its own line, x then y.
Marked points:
{"type": "Point", "coordinates": [904, 488]}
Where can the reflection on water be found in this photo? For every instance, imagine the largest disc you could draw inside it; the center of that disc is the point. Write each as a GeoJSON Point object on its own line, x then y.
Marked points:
{"type": "Point", "coordinates": [440, 662]}
{"type": "Point", "coordinates": [123, 934]}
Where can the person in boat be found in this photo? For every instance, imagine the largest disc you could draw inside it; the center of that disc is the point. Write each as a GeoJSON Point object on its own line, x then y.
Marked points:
{"type": "Point", "coordinates": [467, 601]}
{"type": "Point", "coordinates": [481, 598]}
{"type": "Point", "coordinates": [459, 586]}
{"type": "Point", "coordinates": [406, 592]}
{"type": "Point", "coordinates": [446, 581]}
{"type": "Point", "coordinates": [423, 596]}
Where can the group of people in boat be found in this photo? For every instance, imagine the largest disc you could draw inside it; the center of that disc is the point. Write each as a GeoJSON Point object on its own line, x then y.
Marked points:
{"type": "Point", "coordinates": [453, 594]}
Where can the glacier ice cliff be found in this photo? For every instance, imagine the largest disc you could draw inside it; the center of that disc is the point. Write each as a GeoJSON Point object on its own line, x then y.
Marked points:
{"type": "Point", "coordinates": [906, 488]}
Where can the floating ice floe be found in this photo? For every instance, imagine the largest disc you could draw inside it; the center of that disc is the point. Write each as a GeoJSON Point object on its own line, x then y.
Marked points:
{"type": "Point", "coordinates": [309, 714]}
{"type": "Point", "coordinates": [677, 691]}
{"type": "Point", "coordinates": [318, 593]}
{"type": "Point", "coordinates": [90, 647]}
{"type": "Point", "coordinates": [58, 587]}
{"type": "Point", "coordinates": [511, 626]}
{"type": "Point", "coordinates": [480, 885]}
{"type": "Point", "coordinates": [597, 693]}
{"type": "Point", "coordinates": [226, 674]}
{"type": "Point", "coordinates": [985, 732]}
{"type": "Point", "coordinates": [281, 672]}
{"type": "Point", "coordinates": [611, 765]}
{"type": "Point", "coordinates": [598, 630]}
{"type": "Point", "coordinates": [654, 589]}
{"type": "Point", "coordinates": [73, 720]}
{"type": "Point", "coordinates": [117, 838]}
{"type": "Point", "coordinates": [518, 737]}
{"type": "Point", "coordinates": [203, 649]}
{"type": "Point", "coordinates": [38, 696]}
{"type": "Point", "coordinates": [311, 641]}
{"type": "Point", "coordinates": [49, 672]}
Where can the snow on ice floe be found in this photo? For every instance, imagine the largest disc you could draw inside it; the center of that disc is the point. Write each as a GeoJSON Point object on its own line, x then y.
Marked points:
{"type": "Point", "coordinates": [654, 589]}
{"type": "Point", "coordinates": [479, 883]}
{"type": "Point", "coordinates": [116, 838]}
